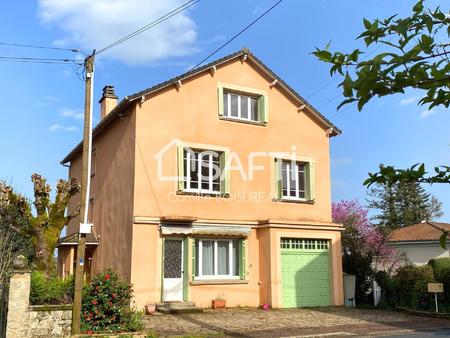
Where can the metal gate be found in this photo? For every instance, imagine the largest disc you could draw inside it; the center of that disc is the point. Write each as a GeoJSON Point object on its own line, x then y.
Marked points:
{"type": "Point", "coordinates": [4, 293]}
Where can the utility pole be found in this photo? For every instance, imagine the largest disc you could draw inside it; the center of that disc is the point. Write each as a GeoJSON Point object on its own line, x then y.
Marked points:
{"type": "Point", "coordinates": [85, 193]}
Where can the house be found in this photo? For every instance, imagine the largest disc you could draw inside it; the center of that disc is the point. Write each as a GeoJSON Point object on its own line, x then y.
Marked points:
{"type": "Point", "coordinates": [215, 183]}
{"type": "Point", "coordinates": [420, 242]}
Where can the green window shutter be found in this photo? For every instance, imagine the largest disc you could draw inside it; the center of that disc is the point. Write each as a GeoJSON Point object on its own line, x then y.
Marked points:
{"type": "Point", "coordinates": [278, 179]}
{"type": "Point", "coordinates": [185, 269]}
{"type": "Point", "coordinates": [310, 181]}
{"type": "Point", "coordinates": [263, 109]}
{"type": "Point", "coordinates": [242, 258]}
{"type": "Point", "coordinates": [224, 160]}
{"type": "Point", "coordinates": [180, 160]}
{"type": "Point", "coordinates": [220, 99]}
{"type": "Point", "coordinates": [193, 259]}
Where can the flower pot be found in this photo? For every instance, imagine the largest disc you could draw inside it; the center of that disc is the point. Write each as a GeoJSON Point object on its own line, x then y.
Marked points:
{"type": "Point", "coordinates": [219, 304]}
{"type": "Point", "coordinates": [150, 308]}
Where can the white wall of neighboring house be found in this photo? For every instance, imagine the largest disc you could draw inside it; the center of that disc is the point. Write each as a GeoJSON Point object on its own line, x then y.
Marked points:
{"type": "Point", "coordinates": [421, 253]}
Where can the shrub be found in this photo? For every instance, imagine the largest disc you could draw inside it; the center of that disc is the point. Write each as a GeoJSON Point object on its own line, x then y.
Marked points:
{"type": "Point", "coordinates": [106, 305]}
{"type": "Point", "coordinates": [441, 268]}
{"type": "Point", "coordinates": [408, 287]}
{"type": "Point", "coordinates": [50, 290]}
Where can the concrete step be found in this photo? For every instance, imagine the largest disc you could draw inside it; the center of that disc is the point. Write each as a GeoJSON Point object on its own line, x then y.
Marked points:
{"type": "Point", "coordinates": [177, 307]}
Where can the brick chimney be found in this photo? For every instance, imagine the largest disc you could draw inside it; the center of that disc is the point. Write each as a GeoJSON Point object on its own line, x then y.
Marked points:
{"type": "Point", "coordinates": [108, 101]}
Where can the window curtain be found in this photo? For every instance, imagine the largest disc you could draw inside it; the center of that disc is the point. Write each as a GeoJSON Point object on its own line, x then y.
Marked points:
{"type": "Point", "coordinates": [223, 257]}
{"type": "Point", "coordinates": [207, 257]}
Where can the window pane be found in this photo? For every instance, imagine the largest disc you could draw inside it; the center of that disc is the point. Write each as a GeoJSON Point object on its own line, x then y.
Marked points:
{"type": "Point", "coordinates": [284, 174]}
{"type": "Point", "coordinates": [194, 171]}
{"type": "Point", "coordinates": [301, 181]}
{"type": "Point", "coordinates": [223, 258]}
{"type": "Point", "coordinates": [254, 109]}
{"type": "Point", "coordinates": [205, 171]}
{"type": "Point", "coordinates": [244, 107]}
{"type": "Point", "coordinates": [225, 104]}
{"type": "Point", "coordinates": [207, 257]}
{"type": "Point", "coordinates": [235, 258]}
{"type": "Point", "coordinates": [234, 105]}
{"type": "Point", "coordinates": [292, 181]}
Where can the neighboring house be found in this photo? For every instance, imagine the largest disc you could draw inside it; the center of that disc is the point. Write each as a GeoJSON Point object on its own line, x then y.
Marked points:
{"type": "Point", "coordinates": [175, 229]}
{"type": "Point", "coordinates": [420, 242]}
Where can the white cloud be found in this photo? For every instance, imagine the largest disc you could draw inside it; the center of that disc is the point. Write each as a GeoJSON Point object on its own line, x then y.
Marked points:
{"type": "Point", "coordinates": [77, 114]}
{"type": "Point", "coordinates": [95, 24]}
{"type": "Point", "coordinates": [57, 127]}
{"type": "Point", "coordinates": [427, 113]}
{"type": "Point", "coordinates": [340, 161]}
{"type": "Point", "coordinates": [47, 101]}
{"type": "Point", "coordinates": [409, 100]}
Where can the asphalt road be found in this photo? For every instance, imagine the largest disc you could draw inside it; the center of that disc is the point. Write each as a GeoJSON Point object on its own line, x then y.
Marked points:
{"type": "Point", "coordinates": [428, 334]}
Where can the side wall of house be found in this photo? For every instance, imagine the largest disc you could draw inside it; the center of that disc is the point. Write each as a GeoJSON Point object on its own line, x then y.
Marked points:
{"type": "Point", "coordinates": [111, 194]}
{"type": "Point", "coordinates": [420, 254]}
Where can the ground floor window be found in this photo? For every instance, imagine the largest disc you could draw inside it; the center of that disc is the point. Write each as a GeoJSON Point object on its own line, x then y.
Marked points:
{"type": "Point", "coordinates": [217, 258]}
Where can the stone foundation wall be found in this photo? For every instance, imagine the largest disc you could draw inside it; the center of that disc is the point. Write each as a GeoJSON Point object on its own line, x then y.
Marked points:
{"type": "Point", "coordinates": [39, 321]}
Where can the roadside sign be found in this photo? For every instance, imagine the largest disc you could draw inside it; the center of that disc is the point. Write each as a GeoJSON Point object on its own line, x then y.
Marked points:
{"type": "Point", "coordinates": [436, 287]}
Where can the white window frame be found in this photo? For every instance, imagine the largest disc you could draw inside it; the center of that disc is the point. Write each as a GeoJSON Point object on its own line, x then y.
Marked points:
{"type": "Point", "coordinates": [288, 181]}
{"type": "Point", "coordinates": [187, 164]}
{"type": "Point", "coordinates": [227, 106]}
{"type": "Point", "coordinates": [230, 259]}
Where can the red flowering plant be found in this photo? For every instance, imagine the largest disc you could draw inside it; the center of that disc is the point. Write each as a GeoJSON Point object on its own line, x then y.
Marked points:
{"type": "Point", "coordinates": [106, 305]}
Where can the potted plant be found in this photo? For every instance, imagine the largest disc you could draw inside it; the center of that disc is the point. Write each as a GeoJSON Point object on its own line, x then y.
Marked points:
{"type": "Point", "coordinates": [150, 308]}
{"type": "Point", "coordinates": [219, 302]}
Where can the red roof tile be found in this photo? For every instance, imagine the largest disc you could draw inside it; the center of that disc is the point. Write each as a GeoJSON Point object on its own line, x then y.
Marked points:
{"type": "Point", "coordinates": [426, 231]}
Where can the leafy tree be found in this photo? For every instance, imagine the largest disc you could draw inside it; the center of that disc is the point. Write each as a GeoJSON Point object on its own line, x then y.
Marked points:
{"type": "Point", "coordinates": [402, 204]}
{"type": "Point", "coordinates": [43, 225]}
{"type": "Point", "coordinates": [364, 248]}
{"type": "Point", "coordinates": [415, 55]}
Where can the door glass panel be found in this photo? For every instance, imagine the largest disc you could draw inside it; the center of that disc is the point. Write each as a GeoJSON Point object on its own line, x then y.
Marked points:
{"type": "Point", "coordinates": [207, 257]}
{"type": "Point", "coordinates": [172, 258]}
{"type": "Point", "coordinates": [223, 257]}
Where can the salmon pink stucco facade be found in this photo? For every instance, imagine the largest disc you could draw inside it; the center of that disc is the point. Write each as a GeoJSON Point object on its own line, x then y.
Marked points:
{"type": "Point", "coordinates": [213, 185]}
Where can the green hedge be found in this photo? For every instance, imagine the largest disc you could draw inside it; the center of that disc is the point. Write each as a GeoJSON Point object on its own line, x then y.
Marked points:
{"type": "Point", "coordinates": [441, 267]}
{"type": "Point", "coordinates": [50, 290]}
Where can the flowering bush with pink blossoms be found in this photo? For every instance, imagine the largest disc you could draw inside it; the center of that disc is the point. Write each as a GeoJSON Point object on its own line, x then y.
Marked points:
{"type": "Point", "coordinates": [364, 248]}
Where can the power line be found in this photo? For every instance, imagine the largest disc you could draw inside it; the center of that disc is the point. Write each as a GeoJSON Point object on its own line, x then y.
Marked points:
{"type": "Point", "coordinates": [35, 59]}
{"type": "Point", "coordinates": [75, 50]}
{"type": "Point", "coordinates": [237, 34]}
{"type": "Point", "coordinates": [151, 24]}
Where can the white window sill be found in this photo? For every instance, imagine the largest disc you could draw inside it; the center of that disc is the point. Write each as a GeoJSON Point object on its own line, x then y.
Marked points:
{"type": "Point", "coordinates": [237, 119]}
{"type": "Point", "coordinates": [218, 281]}
{"type": "Point", "coordinates": [202, 193]}
{"type": "Point", "coordinates": [296, 200]}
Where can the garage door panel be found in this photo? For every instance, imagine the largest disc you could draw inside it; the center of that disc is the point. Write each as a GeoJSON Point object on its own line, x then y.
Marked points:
{"type": "Point", "coordinates": [305, 273]}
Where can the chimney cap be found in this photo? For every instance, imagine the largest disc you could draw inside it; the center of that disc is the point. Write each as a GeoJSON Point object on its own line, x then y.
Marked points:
{"type": "Point", "coordinates": [108, 92]}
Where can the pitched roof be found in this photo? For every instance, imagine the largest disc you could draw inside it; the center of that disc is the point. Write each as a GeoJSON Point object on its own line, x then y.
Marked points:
{"type": "Point", "coordinates": [73, 240]}
{"type": "Point", "coordinates": [127, 100]}
{"type": "Point", "coordinates": [425, 231]}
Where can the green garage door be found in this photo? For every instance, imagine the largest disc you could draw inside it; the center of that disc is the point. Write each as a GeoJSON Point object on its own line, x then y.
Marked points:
{"type": "Point", "coordinates": [305, 272]}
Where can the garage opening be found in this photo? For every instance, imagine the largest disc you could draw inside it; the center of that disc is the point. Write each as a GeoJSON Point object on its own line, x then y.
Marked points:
{"type": "Point", "coordinates": [305, 272]}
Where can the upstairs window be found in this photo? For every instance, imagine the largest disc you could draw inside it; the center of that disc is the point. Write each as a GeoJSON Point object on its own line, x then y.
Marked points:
{"type": "Point", "coordinates": [293, 180]}
{"type": "Point", "coordinates": [243, 104]}
{"type": "Point", "coordinates": [202, 171]}
{"type": "Point", "coordinates": [240, 106]}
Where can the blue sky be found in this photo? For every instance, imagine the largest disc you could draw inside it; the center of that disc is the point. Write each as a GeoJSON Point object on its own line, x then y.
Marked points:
{"type": "Point", "coordinates": [41, 104]}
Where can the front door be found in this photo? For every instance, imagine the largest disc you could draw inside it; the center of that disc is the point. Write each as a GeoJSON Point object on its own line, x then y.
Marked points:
{"type": "Point", "coordinates": [173, 270]}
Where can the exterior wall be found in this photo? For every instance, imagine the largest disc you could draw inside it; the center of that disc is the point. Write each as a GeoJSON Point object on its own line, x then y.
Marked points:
{"type": "Point", "coordinates": [190, 114]}
{"type": "Point", "coordinates": [112, 190]}
{"type": "Point", "coordinates": [65, 260]}
{"type": "Point", "coordinates": [262, 282]}
{"type": "Point", "coordinates": [420, 254]}
{"type": "Point", "coordinates": [336, 282]}
{"type": "Point", "coordinates": [25, 321]}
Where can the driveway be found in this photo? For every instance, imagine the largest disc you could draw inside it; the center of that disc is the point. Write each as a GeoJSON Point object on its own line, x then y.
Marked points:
{"type": "Point", "coordinates": [305, 322]}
